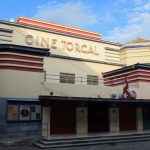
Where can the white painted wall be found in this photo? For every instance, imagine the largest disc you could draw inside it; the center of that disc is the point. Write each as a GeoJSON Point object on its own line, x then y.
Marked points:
{"type": "Point", "coordinates": [135, 55]}
{"type": "Point", "coordinates": [81, 120]}
{"type": "Point", "coordinates": [20, 84]}
{"type": "Point", "coordinates": [81, 68]}
{"type": "Point", "coordinates": [53, 66]}
{"type": "Point", "coordinates": [144, 89]}
{"type": "Point", "coordinates": [73, 90]}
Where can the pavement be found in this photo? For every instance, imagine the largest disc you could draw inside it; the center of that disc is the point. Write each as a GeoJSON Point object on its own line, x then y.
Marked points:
{"type": "Point", "coordinates": [144, 145]}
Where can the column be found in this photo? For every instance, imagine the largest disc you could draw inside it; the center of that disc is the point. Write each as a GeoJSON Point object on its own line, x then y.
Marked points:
{"type": "Point", "coordinates": [46, 121]}
{"type": "Point", "coordinates": [114, 119]}
{"type": "Point", "coordinates": [81, 120]}
{"type": "Point", "coordinates": [139, 119]}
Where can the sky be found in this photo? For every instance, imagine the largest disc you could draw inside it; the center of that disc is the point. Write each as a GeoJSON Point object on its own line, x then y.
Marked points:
{"type": "Point", "coordinates": [116, 20]}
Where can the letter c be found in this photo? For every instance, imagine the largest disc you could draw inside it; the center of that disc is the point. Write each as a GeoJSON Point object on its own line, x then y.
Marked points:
{"type": "Point", "coordinates": [29, 39]}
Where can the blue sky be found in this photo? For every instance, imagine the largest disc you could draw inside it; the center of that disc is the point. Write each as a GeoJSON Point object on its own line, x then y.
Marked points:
{"type": "Point", "coordinates": [116, 20]}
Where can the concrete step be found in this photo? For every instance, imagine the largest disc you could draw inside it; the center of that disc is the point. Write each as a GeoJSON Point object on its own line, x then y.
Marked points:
{"type": "Point", "coordinates": [64, 138]}
{"type": "Point", "coordinates": [92, 140]}
{"type": "Point", "coordinates": [44, 146]}
{"type": "Point", "coordinates": [86, 140]}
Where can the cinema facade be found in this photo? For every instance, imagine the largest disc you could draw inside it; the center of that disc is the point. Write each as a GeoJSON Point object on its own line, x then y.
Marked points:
{"type": "Point", "coordinates": [60, 80]}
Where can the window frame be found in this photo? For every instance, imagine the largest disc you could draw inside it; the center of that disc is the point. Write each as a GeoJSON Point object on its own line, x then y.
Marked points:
{"type": "Point", "coordinates": [92, 80]}
{"type": "Point", "coordinates": [68, 78]}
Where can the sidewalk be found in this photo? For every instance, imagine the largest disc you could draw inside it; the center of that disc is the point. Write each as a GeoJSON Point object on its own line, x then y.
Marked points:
{"type": "Point", "coordinates": [145, 145]}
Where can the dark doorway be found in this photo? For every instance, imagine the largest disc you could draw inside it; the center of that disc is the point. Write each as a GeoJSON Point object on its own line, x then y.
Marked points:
{"type": "Point", "coordinates": [127, 117]}
{"type": "Point", "coordinates": [146, 117]}
{"type": "Point", "coordinates": [97, 118]}
{"type": "Point", "coordinates": [62, 118]}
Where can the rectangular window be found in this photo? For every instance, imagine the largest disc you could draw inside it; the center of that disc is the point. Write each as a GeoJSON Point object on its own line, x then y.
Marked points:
{"type": "Point", "coordinates": [92, 80]}
{"type": "Point", "coordinates": [67, 78]}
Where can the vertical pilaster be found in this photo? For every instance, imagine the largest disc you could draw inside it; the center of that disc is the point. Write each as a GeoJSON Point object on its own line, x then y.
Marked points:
{"type": "Point", "coordinates": [46, 121]}
{"type": "Point", "coordinates": [114, 119]}
{"type": "Point", "coordinates": [82, 120]}
{"type": "Point", "coordinates": [139, 119]}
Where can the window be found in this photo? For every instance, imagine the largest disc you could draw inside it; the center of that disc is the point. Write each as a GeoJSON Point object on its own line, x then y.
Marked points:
{"type": "Point", "coordinates": [67, 78]}
{"type": "Point", "coordinates": [92, 80]}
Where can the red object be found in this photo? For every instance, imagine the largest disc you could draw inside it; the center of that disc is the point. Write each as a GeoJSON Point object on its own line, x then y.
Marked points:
{"type": "Point", "coordinates": [126, 93]}
{"type": "Point", "coordinates": [63, 118]}
{"type": "Point", "coordinates": [127, 117]}
{"type": "Point", "coordinates": [58, 28]}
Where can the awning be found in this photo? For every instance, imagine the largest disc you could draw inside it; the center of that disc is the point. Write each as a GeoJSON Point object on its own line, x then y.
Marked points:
{"type": "Point", "coordinates": [86, 99]}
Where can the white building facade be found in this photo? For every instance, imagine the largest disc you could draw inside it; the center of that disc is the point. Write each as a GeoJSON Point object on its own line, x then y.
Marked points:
{"type": "Point", "coordinates": [51, 75]}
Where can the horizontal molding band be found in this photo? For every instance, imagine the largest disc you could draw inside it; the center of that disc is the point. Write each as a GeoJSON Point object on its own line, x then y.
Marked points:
{"type": "Point", "coordinates": [112, 49]}
{"type": "Point", "coordinates": [20, 63]}
{"type": "Point", "coordinates": [126, 70]}
{"type": "Point", "coordinates": [110, 56]}
{"type": "Point", "coordinates": [135, 46]}
{"type": "Point", "coordinates": [56, 27]}
{"type": "Point", "coordinates": [20, 57]}
{"type": "Point", "coordinates": [131, 81]}
{"type": "Point", "coordinates": [134, 57]}
{"type": "Point", "coordinates": [20, 69]}
{"type": "Point", "coordinates": [112, 53]}
{"type": "Point", "coordinates": [126, 74]}
{"type": "Point", "coordinates": [5, 40]}
{"type": "Point", "coordinates": [130, 77]}
{"type": "Point", "coordinates": [113, 60]}
{"type": "Point", "coordinates": [25, 49]}
{"type": "Point", "coordinates": [60, 31]}
{"type": "Point", "coordinates": [21, 60]}
{"type": "Point", "coordinates": [116, 79]}
{"type": "Point", "coordinates": [134, 52]}
{"type": "Point", "coordinates": [21, 54]}
{"type": "Point", "coordinates": [3, 35]}
{"type": "Point", "coordinates": [6, 30]}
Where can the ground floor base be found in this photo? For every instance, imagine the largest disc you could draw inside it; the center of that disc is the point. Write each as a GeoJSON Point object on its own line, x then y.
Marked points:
{"type": "Point", "coordinates": [24, 117]}
{"type": "Point", "coordinates": [65, 117]}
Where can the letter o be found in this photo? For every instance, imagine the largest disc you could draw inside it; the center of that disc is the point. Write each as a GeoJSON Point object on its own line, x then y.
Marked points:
{"type": "Point", "coordinates": [69, 46]}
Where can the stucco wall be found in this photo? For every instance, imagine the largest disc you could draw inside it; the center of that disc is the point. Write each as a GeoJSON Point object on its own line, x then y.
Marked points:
{"type": "Point", "coordinates": [131, 56]}
{"type": "Point", "coordinates": [64, 45]}
{"type": "Point", "coordinates": [144, 90]}
{"type": "Point", "coordinates": [20, 84]}
{"type": "Point", "coordinates": [81, 68]}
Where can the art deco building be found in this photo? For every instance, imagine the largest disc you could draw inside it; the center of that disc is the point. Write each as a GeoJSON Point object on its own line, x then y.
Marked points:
{"type": "Point", "coordinates": [56, 79]}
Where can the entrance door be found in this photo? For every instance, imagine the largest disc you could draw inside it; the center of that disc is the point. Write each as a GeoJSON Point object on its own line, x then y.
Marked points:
{"type": "Point", "coordinates": [146, 117]}
{"type": "Point", "coordinates": [127, 117]}
{"type": "Point", "coordinates": [62, 118]}
{"type": "Point", "coordinates": [97, 118]}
